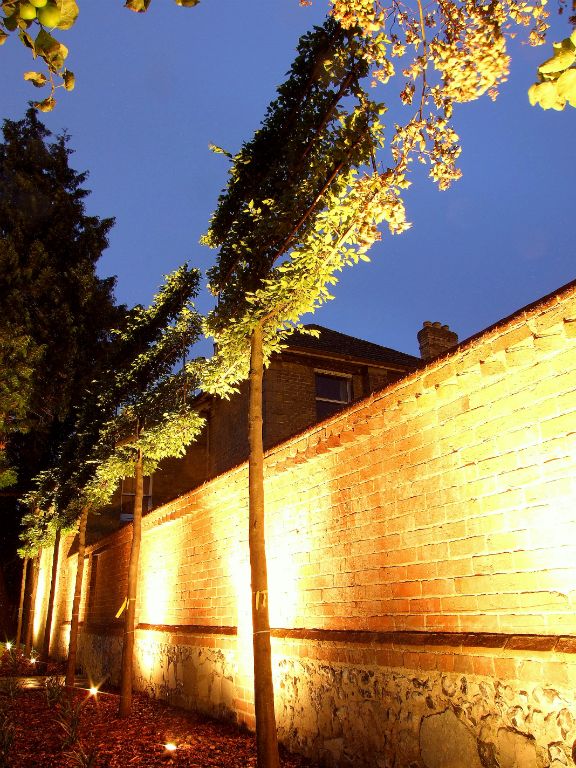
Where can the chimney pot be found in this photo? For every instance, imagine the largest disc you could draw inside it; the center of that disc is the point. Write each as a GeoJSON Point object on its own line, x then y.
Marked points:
{"type": "Point", "coordinates": [435, 339]}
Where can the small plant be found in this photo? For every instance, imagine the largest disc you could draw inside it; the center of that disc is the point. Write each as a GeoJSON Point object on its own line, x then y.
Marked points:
{"type": "Point", "coordinates": [7, 732]}
{"type": "Point", "coordinates": [68, 718]}
{"type": "Point", "coordinates": [13, 662]}
{"type": "Point", "coordinates": [11, 687]}
{"type": "Point", "coordinates": [55, 690]}
{"type": "Point", "coordinates": [79, 758]}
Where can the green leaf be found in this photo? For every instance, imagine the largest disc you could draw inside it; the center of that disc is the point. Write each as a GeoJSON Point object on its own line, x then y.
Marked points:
{"type": "Point", "coordinates": [69, 11]}
{"type": "Point", "coordinates": [187, 3]}
{"type": "Point", "coordinates": [36, 78]}
{"type": "Point", "coordinates": [139, 6]}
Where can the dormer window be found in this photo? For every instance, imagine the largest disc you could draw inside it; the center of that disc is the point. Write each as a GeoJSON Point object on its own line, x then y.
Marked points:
{"type": "Point", "coordinates": [333, 392]}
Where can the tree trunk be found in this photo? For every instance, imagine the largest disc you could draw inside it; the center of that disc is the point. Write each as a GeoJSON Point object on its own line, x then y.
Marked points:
{"type": "Point", "coordinates": [21, 604]}
{"type": "Point", "coordinates": [75, 620]}
{"type": "Point", "coordinates": [130, 623]}
{"type": "Point", "coordinates": [32, 611]}
{"type": "Point", "coordinates": [266, 736]}
{"type": "Point", "coordinates": [50, 609]}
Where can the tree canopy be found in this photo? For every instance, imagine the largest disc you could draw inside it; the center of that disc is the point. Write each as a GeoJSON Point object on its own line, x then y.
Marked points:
{"type": "Point", "coordinates": [464, 41]}
{"type": "Point", "coordinates": [134, 403]}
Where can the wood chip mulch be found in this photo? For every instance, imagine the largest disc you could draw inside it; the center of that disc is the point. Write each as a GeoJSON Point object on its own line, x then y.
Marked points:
{"type": "Point", "coordinates": [106, 741]}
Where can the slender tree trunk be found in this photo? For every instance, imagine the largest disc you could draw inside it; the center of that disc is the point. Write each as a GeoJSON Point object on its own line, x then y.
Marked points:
{"type": "Point", "coordinates": [266, 736]}
{"type": "Point", "coordinates": [32, 611]}
{"type": "Point", "coordinates": [130, 623]}
{"type": "Point", "coordinates": [50, 610]}
{"type": "Point", "coordinates": [75, 620]}
{"type": "Point", "coordinates": [21, 604]}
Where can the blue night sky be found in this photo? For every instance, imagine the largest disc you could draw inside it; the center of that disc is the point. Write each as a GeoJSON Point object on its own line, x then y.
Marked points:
{"type": "Point", "coordinates": [153, 90]}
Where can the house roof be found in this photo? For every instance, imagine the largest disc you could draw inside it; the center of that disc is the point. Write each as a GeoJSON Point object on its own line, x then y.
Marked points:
{"type": "Point", "coordinates": [333, 343]}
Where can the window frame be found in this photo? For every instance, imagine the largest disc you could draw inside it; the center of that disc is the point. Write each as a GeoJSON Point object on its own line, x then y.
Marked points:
{"type": "Point", "coordinates": [347, 378]}
{"type": "Point", "coordinates": [127, 517]}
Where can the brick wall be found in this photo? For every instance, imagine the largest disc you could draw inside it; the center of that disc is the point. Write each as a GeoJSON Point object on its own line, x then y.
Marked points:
{"type": "Point", "coordinates": [422, 564]}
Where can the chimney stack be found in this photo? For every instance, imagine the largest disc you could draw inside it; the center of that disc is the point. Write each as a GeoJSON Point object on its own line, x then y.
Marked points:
{"type": "Point", "coordinates": [435, 339]}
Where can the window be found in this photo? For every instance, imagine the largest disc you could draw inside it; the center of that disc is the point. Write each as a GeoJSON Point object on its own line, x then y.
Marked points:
{"type": "Point", "coordinates": [127, 497]}
{"type": "Point", "coordinates": [333, 392]}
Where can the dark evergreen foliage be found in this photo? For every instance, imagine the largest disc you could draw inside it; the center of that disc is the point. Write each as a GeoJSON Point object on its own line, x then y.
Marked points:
{"type": "Point", "coordinates": [278, 179]}
{"type": "Point", "coordinates": [56, 312]}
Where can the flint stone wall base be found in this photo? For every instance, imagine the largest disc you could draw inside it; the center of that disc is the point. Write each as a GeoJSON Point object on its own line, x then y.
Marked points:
{"type": "Point", "coordinates": [362, 717]}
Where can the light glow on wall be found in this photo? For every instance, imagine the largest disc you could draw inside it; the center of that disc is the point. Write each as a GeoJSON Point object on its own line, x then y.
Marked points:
{"type": "Point", "coordinates": [40, 607]}
{"type": "Point", "coordinates": [156, 591]}
{"type": "Point", "coordinates": [286, 535]}
{"type": "Point", "coordinates": [159, 575]}
{"type": "Point", "coordinates": [239, 568]}
{"type": "Point", "coordinates": [147, 653]}
{"type": "Point", "coordinates": [283, 574]}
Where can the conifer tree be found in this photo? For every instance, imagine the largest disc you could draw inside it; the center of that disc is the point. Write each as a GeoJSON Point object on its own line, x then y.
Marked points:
{"type": "Point", "coordinates": [56, 312]}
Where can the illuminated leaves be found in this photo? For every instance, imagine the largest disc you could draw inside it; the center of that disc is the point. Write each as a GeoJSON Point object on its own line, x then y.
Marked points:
{"type": "Point", "coordinates": [23, 18]}
{"type": "Point", "coordinates": [31, 22]}
{"type": "Point", "coordinates": [53, 52]}
{"type": "Point", "coordinates": [36, 78]}
{"type": "Point", "coordinates": [297, 209]}
{"type": "Point", "coordinates": [46, 105]}
{"type": "Point", "coordinates": [68, 13]}
{"type": "Point", "coordinates": [69, 80]}
{"type": "Point", "coordinates": [564, 56]}
{"type": "Point", "coordinates": [139, 6]}
{"type": "Point", "coordinates": [557, 85]}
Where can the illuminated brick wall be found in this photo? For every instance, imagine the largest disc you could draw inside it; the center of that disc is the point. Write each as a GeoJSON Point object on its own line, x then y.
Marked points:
{"type": "Point", "coordinates": [422, 564]}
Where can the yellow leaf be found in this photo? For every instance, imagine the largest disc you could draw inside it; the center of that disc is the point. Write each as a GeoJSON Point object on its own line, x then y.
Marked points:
{"type": "Point", "coordinates": [566, 85]}
{"type": "Point", "coordinates": [47, 105]}
{"type": "Point", "coordinates": [36, 78]}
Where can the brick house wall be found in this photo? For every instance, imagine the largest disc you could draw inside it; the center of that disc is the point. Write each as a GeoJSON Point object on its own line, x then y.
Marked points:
{"type": "Point", "coordinates": [422, 565]}
{"type": "Point", "coordinates": [289, 408]}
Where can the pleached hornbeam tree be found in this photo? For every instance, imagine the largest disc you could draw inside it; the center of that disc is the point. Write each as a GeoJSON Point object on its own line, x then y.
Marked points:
{"type": "Point", "coordinates": [39, 533]}
{"type": "Point", "coordinates": [296, 211]}
{"type": "Point", "coordinates": [155, 417]}
{"type": "Point", "coordinates": [51, 596]}
{"type": "Point", "coordinates": [135, 406]}
{"type": "Point", "coordinates": [25, 561]}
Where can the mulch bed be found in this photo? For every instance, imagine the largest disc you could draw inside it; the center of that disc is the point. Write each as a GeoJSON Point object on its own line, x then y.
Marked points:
{"type": "Point", "coordinates": [111, 742]}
